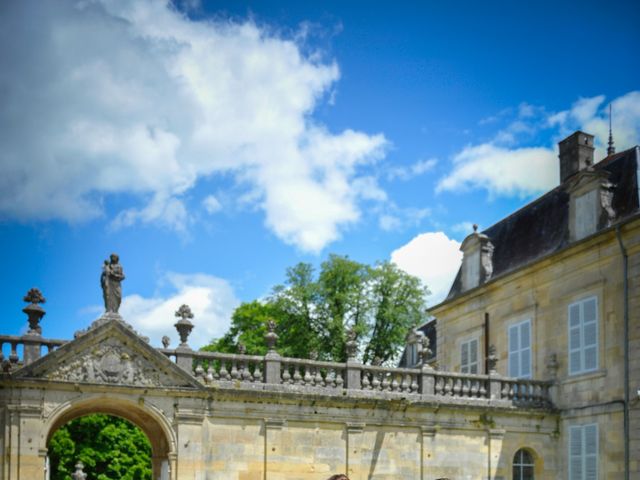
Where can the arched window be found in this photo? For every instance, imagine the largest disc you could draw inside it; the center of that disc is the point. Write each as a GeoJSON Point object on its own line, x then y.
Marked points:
{"type": "Point", "coordinates": [523, 465]}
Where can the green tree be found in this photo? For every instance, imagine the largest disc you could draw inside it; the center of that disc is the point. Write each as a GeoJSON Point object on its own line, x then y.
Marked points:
{"type": "Point", "coordinates": [110, 448]}
{"type": "Point", "coordinates": [313, 313]}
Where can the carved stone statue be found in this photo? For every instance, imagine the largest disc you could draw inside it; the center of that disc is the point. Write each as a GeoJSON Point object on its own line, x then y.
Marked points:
{"type": "Point", "coordinates": [112, 276]}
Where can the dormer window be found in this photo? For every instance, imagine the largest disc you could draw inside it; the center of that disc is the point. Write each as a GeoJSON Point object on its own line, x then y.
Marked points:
{"type": "Point", "coordinates": [477, 260]}
{"type": "Point", "coordinates": [590, 206]}
{"type": "Point", "coordinates": [586, 220]}
{"type": "Point", "coordinates": [471, 272]}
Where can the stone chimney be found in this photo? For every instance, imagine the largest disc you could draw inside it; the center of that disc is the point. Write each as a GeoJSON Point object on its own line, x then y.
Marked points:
{"type": "Point", "coordinates": [576, 153]}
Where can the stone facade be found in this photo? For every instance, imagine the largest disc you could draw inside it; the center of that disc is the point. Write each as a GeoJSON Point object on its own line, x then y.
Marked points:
{"type": "Point", "coordinates": [542, 274]}
{"type": "Point", "coordinates": [208, 424]}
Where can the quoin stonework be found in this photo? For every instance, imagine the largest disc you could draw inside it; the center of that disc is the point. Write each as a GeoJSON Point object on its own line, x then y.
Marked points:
{"type": "Point", "coordinates": [530, 366]}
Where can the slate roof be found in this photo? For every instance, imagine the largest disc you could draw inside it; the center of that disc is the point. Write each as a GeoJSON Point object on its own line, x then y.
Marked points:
{"type": "Point", "coordinates": [542, 227]}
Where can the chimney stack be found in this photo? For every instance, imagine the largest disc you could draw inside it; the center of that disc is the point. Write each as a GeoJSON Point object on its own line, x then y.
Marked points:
{"type": "Point", "coordinates": [576, 153]}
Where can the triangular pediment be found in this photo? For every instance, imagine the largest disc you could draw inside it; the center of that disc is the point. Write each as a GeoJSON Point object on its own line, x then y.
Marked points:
{"type": "Point", "coordinates": [111, 354]}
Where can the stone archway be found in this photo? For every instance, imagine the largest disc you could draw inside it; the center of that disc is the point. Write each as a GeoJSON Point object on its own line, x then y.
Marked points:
{"type": "Point", "coordinates": [152, 423]}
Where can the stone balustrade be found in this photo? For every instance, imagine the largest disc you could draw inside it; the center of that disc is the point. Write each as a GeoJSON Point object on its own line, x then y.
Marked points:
{"type": "Point", "coordinates": [24, 349]}
{"type": "Point", "coordinates": [220, 369]}
{"type": "Point", "coordinates": [223, 369]}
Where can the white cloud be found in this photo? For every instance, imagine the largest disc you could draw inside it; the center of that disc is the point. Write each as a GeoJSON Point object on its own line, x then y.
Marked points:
{"type": "Point", "coordinates": [501, 168]}
{"type": "Point", "coordinates": [133, 97]}
{"type": "Point", "coordinates": [416, 169]}
{"type": "Point", "coordinates": [592, 116]}
{"type": "Point", "coordinates": [211, 299]}
{"type": "Point", "coordinates": [211, 204]}
{"type": "Point", "coordinates": [502, 171]}
{"type": "Point", "coordinates": [432, 257]}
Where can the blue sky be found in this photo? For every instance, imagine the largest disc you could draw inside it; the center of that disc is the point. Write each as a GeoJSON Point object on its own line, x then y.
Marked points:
{"type": "Point", "coordinates": [214, 144]}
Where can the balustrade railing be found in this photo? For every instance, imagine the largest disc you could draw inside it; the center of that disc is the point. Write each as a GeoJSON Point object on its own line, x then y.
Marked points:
{"type": "Point", "coordinates": [24, 350]}
{"type": "Point", "coordinates": [383, 379]}
{"type": "Point", "coordinates": [461, 385]}
{"type": "Point", "coordinates": [216, 367]}
{"type": "Point", "coordinates": [212, 367]}
{"type": "Point", "coordinates": [312, 373]}
{"type": "Point", "coordinates": [526, 393]}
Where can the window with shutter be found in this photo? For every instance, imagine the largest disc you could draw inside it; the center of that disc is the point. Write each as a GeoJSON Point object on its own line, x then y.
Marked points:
{"type": "Point", "coordinates": [583, 336]}
{"type": "Point", "coordinates": [520, 350]}
{"type": "Point", "coordinates": [469, 356]}
{"type": "Point", "coordinates": [583, 452]}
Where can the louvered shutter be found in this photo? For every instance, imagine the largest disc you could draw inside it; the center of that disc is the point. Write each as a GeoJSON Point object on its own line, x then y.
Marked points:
{"type": "Point", "coordinates": [520, 350]}
{"type": "Point", "coordinates": [514, 358]}
{"type": "Point", "coordinates": [575, 340]}
{"type": "Point", "coordinates": [464, 357]}
{"type": "Point", "coordinates": [590, 334]}
{"type": "Point", "coordinates": [575, 453]}
{"type": "Point", "coordinates": [473, 356]}
{"type": "Point", "coordinates": [590, 442]}
{"type": "Point", "coordinates": [525, 349]}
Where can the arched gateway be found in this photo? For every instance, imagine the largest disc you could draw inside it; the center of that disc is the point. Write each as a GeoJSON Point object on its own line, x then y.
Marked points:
{"type": "Point", "coordinates": [214, 416]}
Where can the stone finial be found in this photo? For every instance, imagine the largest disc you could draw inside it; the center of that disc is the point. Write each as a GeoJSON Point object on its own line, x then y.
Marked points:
{"type": "Point", "coordinates": [492, 359]}
{"type": "Point", "coordinates": [166, 341]}
{"type": "Point", "coordinates": [271, 337]}
{"type": "Point", "coordinates": [475, 228]}
{"type": "Point", "coordinates": [376, 362]}
{"type": "Point", "coordinates": [34, 311]}
{"type": "Point", "coordinates": [351, 344]}
{"type": "Point", "coordinates": [79, 473]}
{"type": "Point", "coordinates": [313, 355]}
{"type": "Point", "coordinates": [426, 353]}
{"type": "Point", "coordinates": [242, 349]}
{"type": "Point", "coordinates": [184, 326]}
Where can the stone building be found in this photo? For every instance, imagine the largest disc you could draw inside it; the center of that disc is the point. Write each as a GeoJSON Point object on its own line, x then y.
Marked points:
{"type": "Point", "coordinates": [555, 288]}
{"type": "Point", "coordinates": [512, 386]}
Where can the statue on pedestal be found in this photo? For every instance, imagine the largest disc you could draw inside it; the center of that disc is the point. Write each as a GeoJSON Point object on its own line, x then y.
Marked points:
{"type": "Point", "coordinates": [112, 276]}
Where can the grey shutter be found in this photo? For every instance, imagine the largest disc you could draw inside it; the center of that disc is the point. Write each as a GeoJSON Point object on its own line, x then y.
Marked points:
{"type": "Point", "coordinates": [575, 341]}
{"type": "Point", "coordinates": [514, 360]}
{"type": "Point", "coordinates": [473, 356]}
{"type": "Point", "coordinates": [590, 334]}
{"type": "Point", "coordinates": [575, 453]}
{"type": "Point", "coordinates": [590, 452]}
{"type": "Point", "coordinates": [464, 357]}
{"type": "Point", "coordinates": [525, 349]}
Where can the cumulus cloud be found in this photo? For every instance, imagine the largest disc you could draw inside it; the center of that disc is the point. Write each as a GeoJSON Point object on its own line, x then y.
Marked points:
{"type": "Point", "coordinates": [502, 168]}
{"type": "Point", "coordinates": [434, 258]}
{"type": "Point", "coordinates": [212, 301]}
{"type": "Point", "coordinates": [133, 97]}
{"type": "Point", "coordinates": [592, 116]}
{"type": "Point", "coordinates": [503, 171]}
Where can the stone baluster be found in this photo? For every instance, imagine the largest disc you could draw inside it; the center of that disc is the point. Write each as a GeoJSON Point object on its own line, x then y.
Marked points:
{"type": "Point", "coordinates": [184, 353]}
{"type": "Point", "coordinates": [354, 367]}
{"type": "Point", "coordinates": [272, 362]}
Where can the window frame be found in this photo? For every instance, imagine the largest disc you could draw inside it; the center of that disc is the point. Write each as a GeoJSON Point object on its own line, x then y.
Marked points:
{"type": "Point", "coordinates": [470, 364]}
{"type": "Point", "coordinates": [517, 463]}
{"type": "Point", "coordinates": [581, 327]}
